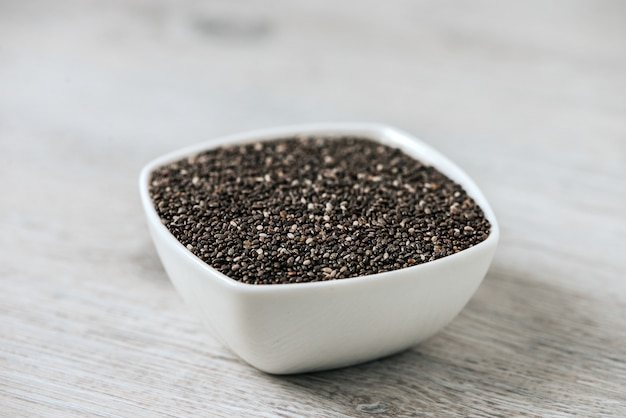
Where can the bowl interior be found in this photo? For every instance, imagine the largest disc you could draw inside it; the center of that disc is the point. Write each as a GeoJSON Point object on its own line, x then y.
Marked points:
{"type": "Point", "coordinates": [381, 133]}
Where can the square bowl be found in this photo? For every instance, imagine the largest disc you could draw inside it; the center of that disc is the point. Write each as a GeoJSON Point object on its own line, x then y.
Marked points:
{"type": "Point", "coordinates": [302, 327]}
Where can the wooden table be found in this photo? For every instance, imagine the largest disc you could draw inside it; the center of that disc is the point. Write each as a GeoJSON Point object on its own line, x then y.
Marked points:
{"type": "Point", "coordinates": [528, 97]}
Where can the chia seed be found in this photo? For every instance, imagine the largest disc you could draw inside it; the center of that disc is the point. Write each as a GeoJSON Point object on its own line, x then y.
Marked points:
{"type": "Point", "coordinates": [307, 209]}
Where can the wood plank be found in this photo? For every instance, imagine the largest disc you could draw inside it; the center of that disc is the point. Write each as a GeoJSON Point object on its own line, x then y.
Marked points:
{"type": "Point", "coordinates": [528, 97]}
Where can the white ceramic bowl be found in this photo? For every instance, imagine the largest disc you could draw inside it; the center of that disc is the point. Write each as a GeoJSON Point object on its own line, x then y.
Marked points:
{"type": "Point", "coordinates": [290, 328]}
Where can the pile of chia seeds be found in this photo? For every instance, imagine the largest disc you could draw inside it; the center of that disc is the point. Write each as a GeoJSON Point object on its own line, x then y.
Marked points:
{"type": "Point", "coordinates": [307, 209]}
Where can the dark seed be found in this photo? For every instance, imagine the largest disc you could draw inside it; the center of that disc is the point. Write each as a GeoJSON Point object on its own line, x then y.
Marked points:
{"type": "Point", "coordinates": [310, 209]}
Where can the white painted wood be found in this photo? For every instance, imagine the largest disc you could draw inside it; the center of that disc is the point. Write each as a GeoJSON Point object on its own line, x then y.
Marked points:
{"type": "Point", "coordinates": [528, 97]}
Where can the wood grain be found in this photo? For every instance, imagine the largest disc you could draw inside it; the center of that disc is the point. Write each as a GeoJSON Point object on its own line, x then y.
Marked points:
{"type": "Point", "coordinates": [528, 97]}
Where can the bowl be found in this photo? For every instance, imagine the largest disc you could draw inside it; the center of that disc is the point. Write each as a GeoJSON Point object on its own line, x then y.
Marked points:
{"type": "Point", "coordinates": [303, 327]}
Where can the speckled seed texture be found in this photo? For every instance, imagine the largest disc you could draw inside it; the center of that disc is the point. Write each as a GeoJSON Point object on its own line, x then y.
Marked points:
{"type": "Point", "coordinates": [307, 209]}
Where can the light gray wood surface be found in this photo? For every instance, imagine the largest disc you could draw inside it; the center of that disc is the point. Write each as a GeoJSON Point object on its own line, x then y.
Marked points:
{"type": "Point", "coordinates": [528, 97]}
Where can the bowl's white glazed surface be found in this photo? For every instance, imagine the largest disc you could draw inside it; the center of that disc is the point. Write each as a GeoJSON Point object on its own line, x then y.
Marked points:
{"type": "Point", "coordinates": [290, 328]}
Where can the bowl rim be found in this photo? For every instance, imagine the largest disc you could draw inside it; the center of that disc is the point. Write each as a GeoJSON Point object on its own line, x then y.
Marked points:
{"type": "Point", "coordinates": [381, 133]}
